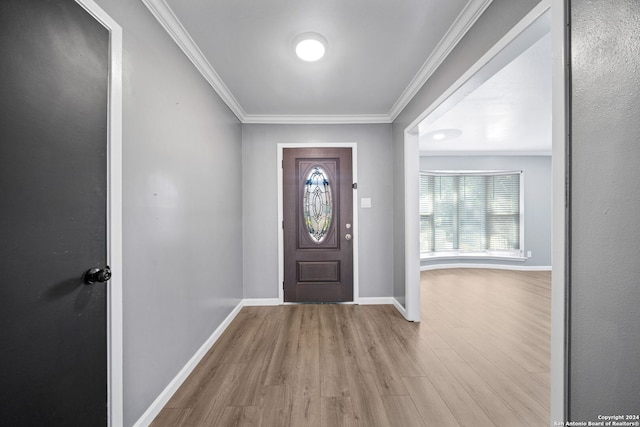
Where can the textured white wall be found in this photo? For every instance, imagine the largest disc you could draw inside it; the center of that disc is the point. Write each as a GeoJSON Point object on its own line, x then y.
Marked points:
{"type": "Point", "coordinates": [605, 201]}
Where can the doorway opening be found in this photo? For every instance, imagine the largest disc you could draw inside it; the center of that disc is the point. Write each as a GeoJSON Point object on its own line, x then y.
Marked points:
{"type": "Point", "coordinates": [535, 25]}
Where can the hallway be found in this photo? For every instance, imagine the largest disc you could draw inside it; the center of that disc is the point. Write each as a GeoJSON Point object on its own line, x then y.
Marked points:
{"type": "Point", "coordinates": [479, 357]}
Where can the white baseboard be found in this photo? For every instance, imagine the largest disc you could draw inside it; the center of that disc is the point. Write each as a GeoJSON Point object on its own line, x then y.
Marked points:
{"type": "Point", "coordinates": [490, 266]}
{"type": "Point", "coordinates": [400, 308]}
{"type": "Point", "coordinates": [375, 300]}
{"type": "Point", "coordinates": [250, 302]}
{"type": "Point", "coordinates": [177, 381]}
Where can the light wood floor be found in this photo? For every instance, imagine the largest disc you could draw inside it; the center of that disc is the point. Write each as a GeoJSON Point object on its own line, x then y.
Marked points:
{"type": "Point", "coordinates": [480, 357]}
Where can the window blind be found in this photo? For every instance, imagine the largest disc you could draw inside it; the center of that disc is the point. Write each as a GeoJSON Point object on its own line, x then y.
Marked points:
{"type": "Point", "coordinates": [470, 212]}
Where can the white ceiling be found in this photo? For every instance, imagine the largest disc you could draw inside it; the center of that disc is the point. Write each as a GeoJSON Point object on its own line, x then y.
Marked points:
{"type": "Point", "coordinates": [508, 113]}
{"type": "Point", "coordinates": [379, 53]}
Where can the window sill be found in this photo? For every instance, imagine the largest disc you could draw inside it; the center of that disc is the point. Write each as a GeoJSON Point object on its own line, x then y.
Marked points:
{"type": "Point", "coordinates": [470, 255]}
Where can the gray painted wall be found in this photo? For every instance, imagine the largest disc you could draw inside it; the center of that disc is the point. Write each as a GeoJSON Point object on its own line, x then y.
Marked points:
{"type": "Point", "coordinates": [537, 201]}
{"type": "Point", "coordinates": [605, 197]}
{"type": "Point", "coordinates": [495, 22]}
{"type": "Point", "coordinates": [181, 208]}
{"type": "Point", "coordinates": [260, 209]}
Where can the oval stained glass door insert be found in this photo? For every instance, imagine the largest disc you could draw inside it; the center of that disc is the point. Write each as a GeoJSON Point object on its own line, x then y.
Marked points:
{"type": "Point", "coordinates": [317, 204]}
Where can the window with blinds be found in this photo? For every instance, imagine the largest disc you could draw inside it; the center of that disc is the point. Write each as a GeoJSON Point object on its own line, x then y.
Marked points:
{"type": "Point", "coordinates": [475, 213]}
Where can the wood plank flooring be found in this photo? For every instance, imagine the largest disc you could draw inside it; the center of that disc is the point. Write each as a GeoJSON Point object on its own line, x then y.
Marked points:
{"type": "Point", "coordinates": [480, 357]}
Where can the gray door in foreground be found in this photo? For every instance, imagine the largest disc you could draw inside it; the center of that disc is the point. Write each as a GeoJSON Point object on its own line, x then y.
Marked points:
{"type": "Point", "coordinates": [53, 204]}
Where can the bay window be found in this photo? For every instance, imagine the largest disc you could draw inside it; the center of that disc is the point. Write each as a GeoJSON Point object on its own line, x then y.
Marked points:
{"type": "Point", "coordinates": [471, 214]}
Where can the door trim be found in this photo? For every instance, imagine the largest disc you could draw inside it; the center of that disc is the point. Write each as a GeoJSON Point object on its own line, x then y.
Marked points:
{"type": "Point", "coordinates": [115, 389]}
{"type": "Point", "coordinates": [354, 160]}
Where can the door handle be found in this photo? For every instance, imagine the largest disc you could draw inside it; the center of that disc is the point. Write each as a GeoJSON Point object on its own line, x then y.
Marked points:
{"type": "Point", "coordinates": [97, 275]}
{"type": "Point", "coordinates": [347, 236]}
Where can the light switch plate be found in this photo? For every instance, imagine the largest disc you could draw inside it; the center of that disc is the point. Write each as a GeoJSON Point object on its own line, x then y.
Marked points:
{"type": "Point", "coordinates": [365, 202]}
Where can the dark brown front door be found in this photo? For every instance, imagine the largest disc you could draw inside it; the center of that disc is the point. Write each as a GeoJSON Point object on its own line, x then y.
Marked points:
{"type": "Point", "coordinates": [318, 225]}
{"type": "Point", "coordinates": [53, 205]}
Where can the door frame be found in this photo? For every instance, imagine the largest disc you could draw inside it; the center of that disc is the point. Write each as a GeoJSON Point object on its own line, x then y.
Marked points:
{"type": "Point", "coordinates": [354, 163]}
{"type": "Point", "coordinates": [115, 389]}
{"type": "Point", "coordinates": [559, 292]}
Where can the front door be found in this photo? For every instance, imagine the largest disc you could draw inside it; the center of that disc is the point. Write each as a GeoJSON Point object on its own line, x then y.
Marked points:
{"type": "Point", "coordinates": [53, 204]}
{"type": "Point", "coordinates": [318, 224]}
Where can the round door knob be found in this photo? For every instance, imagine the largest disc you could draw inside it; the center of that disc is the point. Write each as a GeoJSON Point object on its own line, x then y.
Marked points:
{"type": "Point", "coordinates": [97, 275]}
{"type": "Point", "coordinates": [347, 236]}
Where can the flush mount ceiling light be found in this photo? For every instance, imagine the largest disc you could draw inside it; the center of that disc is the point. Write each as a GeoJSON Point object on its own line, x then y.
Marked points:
{"type": "Point", "coordinates": [443, 134]}
{"type": "Point", "coordinates": [310, 47]}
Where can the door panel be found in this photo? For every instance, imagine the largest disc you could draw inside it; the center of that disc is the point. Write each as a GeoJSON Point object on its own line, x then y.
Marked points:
{"type": "Point", "coordinates": [53, 180]}
{"type": "Point", "coordinates": [318, 214]}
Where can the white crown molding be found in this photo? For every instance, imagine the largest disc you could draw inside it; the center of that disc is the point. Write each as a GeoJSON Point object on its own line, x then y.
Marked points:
{"type": "Point", "coordinates": [317, 119]}
{"type": "Point", "coordinates": [465, 20]}
{"type": "Point", "coordinates": [172, 25]}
